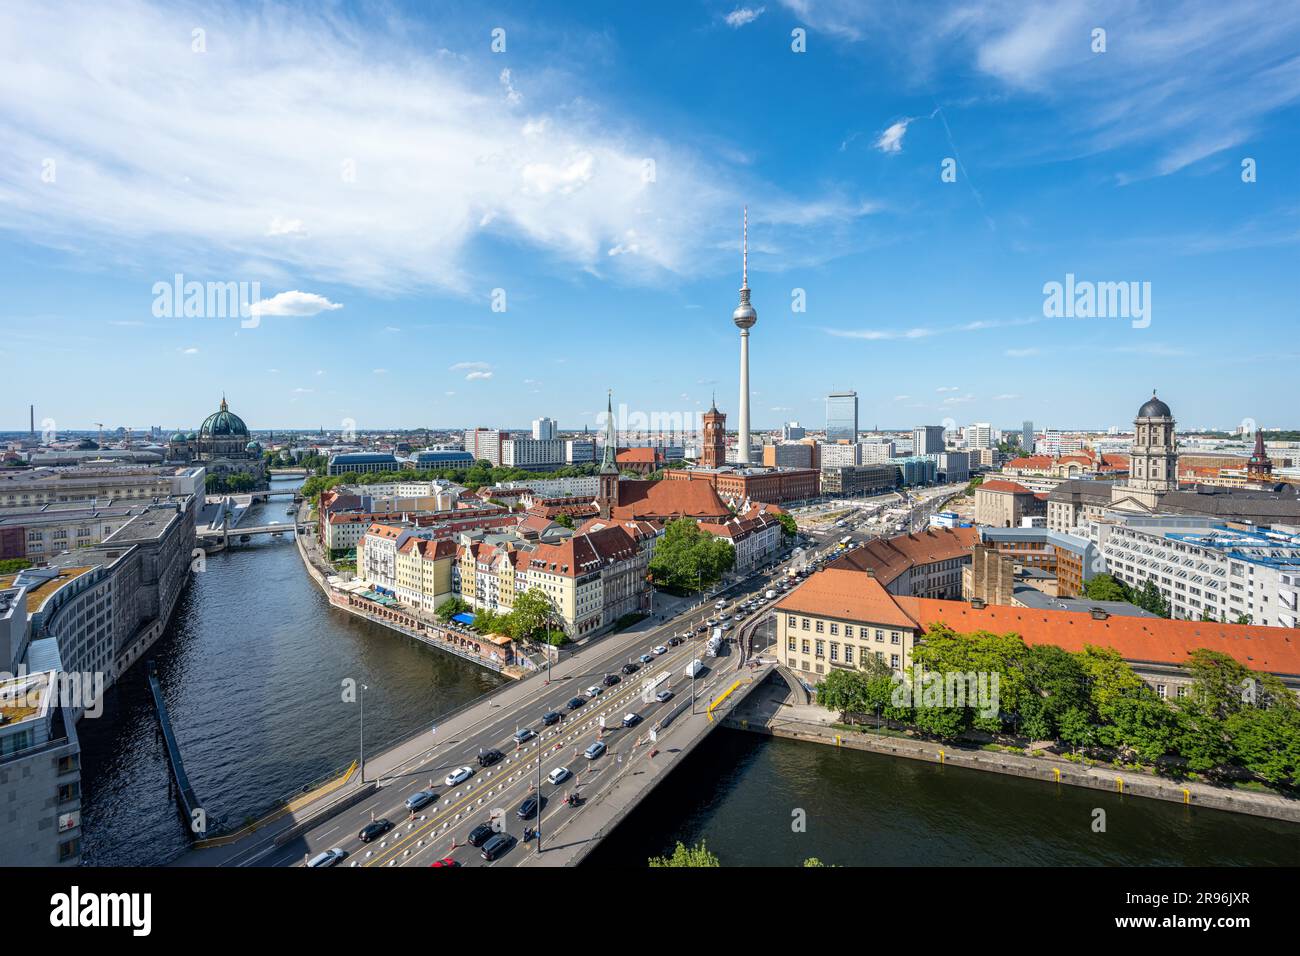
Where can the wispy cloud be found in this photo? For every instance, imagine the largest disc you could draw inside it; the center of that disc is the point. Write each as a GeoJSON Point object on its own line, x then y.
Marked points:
{"type": "Point", "coordinates": [294, 303]}
{"type": "Point", "coordinates": [741, 16]}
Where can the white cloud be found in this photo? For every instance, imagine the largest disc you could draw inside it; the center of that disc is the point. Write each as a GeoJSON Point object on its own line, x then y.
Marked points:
{"type": "Point", "coordinates": [741, 16]}
{"type": "Point", "coordinates": [462, 366]}
{"type": "Point", "coordinates": [380, 371]}
{"type": "Point", "coordinates": [946, 388]}
{"type": "Point", "coordinates": [393, 154]}
{"type": "Point", "coordinates": [891, 140]}
{"type": "Point", "coordinates": [293, 303]}
{"type": "Point", "coordinates": [477, 376]}
{"type": "Point", "coordinates": [189, 351]}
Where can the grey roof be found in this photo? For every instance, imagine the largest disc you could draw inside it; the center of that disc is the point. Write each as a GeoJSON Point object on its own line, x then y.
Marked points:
{"type": "Point", "coordinates": [1154, 408]}
{"type": "Point", "coordinates": [1246, 503]}
{"type": "Point", "coordinates": [1036, 599]}
{"type": "Point", "coordinates": [1082, 489]}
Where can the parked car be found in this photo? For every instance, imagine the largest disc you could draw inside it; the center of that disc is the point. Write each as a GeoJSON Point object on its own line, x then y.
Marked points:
{"type": "Point", "coordinates": [480, 834]}
{"type": "Point", "coordinates": [499, 844]}
{"type": "Point", "coordinates": [421, 798]}
{"type": "Point", "coordinates": [594, 751]}
{"type": "Point", "coordinates": [458, 776]}
{"type": "Point", "coordinates": [612, 679]}
{"type": "Point", "coordinates": [559, 775]}
{"type": "Point", "coordinates": [488, 757]}
{"type": "Point", "coordinates": [551, 717]}
{"type": "Point", "coordinates": [372, 831]}
{"type": "Point", "coordinates": [328, 858]}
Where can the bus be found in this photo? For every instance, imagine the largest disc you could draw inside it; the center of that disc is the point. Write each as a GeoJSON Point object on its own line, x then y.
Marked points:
{"type": "Point", "coordinates": [844, 541]}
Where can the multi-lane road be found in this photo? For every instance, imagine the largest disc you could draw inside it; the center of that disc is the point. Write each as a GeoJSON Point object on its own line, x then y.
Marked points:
{"type": "Point", "coordinates": [493, 794]}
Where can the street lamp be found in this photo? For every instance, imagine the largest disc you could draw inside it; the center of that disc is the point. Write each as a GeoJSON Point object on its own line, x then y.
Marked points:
{"type": "Point", "coordinates": [361, 697]}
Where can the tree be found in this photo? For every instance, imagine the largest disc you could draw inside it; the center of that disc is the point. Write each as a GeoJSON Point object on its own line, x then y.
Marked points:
{"type": "Point", "coordinates": [450, 608]}
{"type": "Point", "coordinates": [488, 622]}
{"type": "Point", "coordinates": [14, 565]}
{"type": "Point", "coordinates": [530, 614]}
{"type": "Point", "coordinates": [687, 558]}
{"type": "Point", "coordinates": [1104, 587]}
{"type": "Point", "coordinates": [788, 524]}
{"type": "Point", "coordinates": [683, 856]}
{"type": "Point", "coordinates": [564, 521]}
{"type": "Point", "coordinates": [1150, 599]}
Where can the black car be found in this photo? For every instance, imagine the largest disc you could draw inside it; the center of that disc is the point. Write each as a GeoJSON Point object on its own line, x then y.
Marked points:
{"type": "Point", "coordinates": [576, 702]}
{"type": "Point", "coordinates": [674, 641]}
{"type": "Point", "coordinates": [373, 830]}
{"type": "Point", "coordinates": [551, 717]}
{"type": "Point", "coordinates": [480, 834]}
{"type": "Point", "coordinates": [496, 846]}
{"type": "Point", "coordinates": [611, 680]}
{"type": "Point", "coordinates": [488, 757]}
{"type": "Point", "coordinates": [528, 809]}
{"type": "Point", "coordinates": [631, 668]}
{"type": "Point", "coordinates": [701, 629]}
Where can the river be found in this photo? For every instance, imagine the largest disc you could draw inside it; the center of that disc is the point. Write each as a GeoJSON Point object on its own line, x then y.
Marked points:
{"type": "Point", "coordinates": [252, 668]}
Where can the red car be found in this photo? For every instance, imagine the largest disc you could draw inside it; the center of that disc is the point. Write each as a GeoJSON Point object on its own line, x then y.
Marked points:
{"type": "Point", "coordinates": [445, 861]}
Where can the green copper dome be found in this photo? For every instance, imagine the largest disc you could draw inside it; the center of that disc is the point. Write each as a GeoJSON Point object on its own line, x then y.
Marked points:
{"type": "Point", "coordinates": [178, 437]}
{"type": "Point", "coordinates": [223, 423]}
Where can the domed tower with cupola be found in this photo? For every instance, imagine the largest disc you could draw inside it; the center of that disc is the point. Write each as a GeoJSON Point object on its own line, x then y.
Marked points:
{"type": "Point", "coordinates": [1153, 461]}
{"type": "Point", "coordinates": [223, 445]}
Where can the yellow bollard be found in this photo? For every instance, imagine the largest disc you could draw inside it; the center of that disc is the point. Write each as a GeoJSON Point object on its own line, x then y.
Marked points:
{"type": "Point", "coordinates": [1119, 784]}
{"type": "Point", "coordinates": [1187, 795]}
{"type": "Point", "coordinates": [940, 755]}
{"type": "Point", "coordinates": [838, 740]}
{"type": "Point", "coordinates": [1057, 771]}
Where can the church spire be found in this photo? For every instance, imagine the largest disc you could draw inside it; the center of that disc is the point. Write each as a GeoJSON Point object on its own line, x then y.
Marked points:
{"type": "Point", "coordinates": [608, 461]}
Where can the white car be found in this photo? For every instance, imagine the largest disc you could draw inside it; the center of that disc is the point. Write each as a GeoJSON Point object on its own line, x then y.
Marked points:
{"type": "Point", "coordinates": [559, 775]}
{"type": "Point", "coordinates": [661, 649]}
{"type": "Point", "coordinates": [458, 776]}
{"type": "Point", "coordinates": [595, 690]}
{"type": "Point", "coordinates": [328, 858]}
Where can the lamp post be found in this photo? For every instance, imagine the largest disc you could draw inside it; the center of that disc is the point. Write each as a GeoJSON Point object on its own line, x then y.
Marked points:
{"type": "Point", "coordinates": [361, 698]}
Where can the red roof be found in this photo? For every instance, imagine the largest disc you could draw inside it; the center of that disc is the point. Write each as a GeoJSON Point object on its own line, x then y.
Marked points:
{"type": "Point", "coordinates": [669, 499]}
{"type": "Point", "coordinates": [647, 456]}
{"type": "Point", "coordinates": [1009, 487]}
{"type": "Point", "coordinates": [887, 558]}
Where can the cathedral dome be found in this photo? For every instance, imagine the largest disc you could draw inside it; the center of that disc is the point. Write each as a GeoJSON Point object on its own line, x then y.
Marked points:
{"type": "Point", "coordinates": [223, 423]}
{"type": "Point", "coordinates": [179, 437]}
{"type": "Point", "coordinates": [1154, 408]}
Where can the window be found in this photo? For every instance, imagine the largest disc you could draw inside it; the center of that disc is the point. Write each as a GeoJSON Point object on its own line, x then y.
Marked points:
{"type": "Point", "coordinates": [894, 638]}
{"type": "Point", "coordinates": [805, 624]}
{"type": "Point", "coordinates": [835, 629]}
{"type": "Point", "coordinates": [1161, 691]}
{"type": "Point", "coordinates": [821, 626]}
{"type": "Point", "coordinates": [848, 653]}
{"type": "Point", "coordinates": [835, 650]}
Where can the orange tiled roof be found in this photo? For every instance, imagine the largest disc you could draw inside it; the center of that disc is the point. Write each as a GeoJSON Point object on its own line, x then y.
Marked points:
{"type": "Point", "coordinates": [847, 595]}
{"type": "Point", "coordinates": [678, 499]}
{"type": "Point", "coordinates": [646, 456]}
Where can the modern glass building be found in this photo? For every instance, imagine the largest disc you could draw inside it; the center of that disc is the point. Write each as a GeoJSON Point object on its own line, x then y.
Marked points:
{"type": "Point", "coordinates": [842, 417]}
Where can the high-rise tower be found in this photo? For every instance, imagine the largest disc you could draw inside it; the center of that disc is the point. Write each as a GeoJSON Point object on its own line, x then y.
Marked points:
{"type": "Point", "coordinates": [744, 317]}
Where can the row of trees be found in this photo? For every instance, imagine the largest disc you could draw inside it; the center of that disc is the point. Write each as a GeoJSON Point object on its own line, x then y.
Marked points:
{"type": "Point", "coordinates": [700, 856]}
{"type": "Point", "coordinates": [529, 620]}
{"type": "Point", "coordinates": [1230, 719]}
{"type": "Point", "coordinates": [233, 483]}
{"type": "Point", "coordinates": [481, 473]}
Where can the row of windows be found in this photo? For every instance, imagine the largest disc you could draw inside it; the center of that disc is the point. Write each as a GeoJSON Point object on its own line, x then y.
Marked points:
{"type": "Point", "coordinates": [820, 627]}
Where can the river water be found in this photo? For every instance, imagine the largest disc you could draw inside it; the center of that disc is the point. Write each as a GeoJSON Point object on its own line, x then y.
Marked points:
{"type": "Point", "coordinates": [252, 668]}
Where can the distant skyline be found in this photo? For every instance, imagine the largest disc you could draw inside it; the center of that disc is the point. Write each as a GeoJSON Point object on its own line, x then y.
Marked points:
{"type": "Point", "coordinates": [386, 181]}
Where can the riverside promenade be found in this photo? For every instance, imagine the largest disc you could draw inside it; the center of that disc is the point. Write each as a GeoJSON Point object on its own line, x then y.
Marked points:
{"type": "Point", "coordinates": [772, 714]}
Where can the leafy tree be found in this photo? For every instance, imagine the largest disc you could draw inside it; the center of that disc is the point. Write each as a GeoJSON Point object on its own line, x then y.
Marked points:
{"type": "Point", "coordinates": [14, 565]}
{"type": "Point", "coordinates": [688, 558]}
{"type": "Point", "coordinates": [564, 521]}
{"type": "Point", "coordinates": [450, 608]}
{"type": "Point", "coordinates": [788, 525]}
{"type": "Point", "coordinates": [530, 614]}
{"type": "Point", "coordinates": [1149, 598]}
{"type": "Point", "coordinates": [684, 856]}
{"type": "Point", "coordinates": [1266, 741]}
{"type": "Point", "coordinates": [1105, 587]}
{"type": "Point", "coordinates": [489, 622]}
{"type": "Point", "coordinates": [1219, 683]}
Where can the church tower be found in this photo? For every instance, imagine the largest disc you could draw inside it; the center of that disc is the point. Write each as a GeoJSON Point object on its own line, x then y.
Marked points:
{"type": "Point", "coordinates": [607, 496]}
{"type": "Point", "coordinates": [1153, 462]}
{"type": "Point", "coordinates": [1260, 467]}
{"type": "Point", "coordinates": [713, 454]}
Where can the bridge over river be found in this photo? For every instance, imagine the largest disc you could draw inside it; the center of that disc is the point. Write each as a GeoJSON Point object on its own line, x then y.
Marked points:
{"type": "Point", "coordinates": [648, 722]}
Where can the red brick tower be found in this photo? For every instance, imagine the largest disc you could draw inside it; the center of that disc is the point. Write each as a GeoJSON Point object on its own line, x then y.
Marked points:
{"type": "Point", "coordinates": [714, 452]}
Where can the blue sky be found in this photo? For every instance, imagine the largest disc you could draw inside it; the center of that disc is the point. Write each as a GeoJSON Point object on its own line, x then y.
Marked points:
{"type": "Point", "coordinates": [379, 171]}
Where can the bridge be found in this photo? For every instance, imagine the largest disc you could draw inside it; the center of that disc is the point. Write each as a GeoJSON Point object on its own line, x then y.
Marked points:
{"type": "Point", "coordinates": [659, 732]}
{"type": "Point", "coordinates": [187, 800]}
{"type": "Point", "coordinates": [224, 535]}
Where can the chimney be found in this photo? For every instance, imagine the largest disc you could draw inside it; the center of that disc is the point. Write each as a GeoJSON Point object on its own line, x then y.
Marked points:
{"type": "Point", "coordinates": [1099, 615]}
{"type": "Point", "coordinates": [977, 604]}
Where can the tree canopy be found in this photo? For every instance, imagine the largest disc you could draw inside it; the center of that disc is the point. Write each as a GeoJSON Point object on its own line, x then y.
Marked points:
{"type": "Point", "coordinates": [687, 558]}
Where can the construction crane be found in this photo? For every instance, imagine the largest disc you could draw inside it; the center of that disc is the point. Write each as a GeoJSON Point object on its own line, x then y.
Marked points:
{"type": "Point", "coordinates": [101, 435]}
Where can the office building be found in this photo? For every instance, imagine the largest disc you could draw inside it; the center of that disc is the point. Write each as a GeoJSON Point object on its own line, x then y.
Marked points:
{"type": "Point", "coordinates": [485, 444]}
{"type": "Point", "coordinates": [1027, 437]}
{"type": "Point", "coordinates": [842, 417]}
{"type": "Point", "coordinates": [544, 429]}
{"type": "Point", "coordinates": [927, 440]}
{"type": "Point", "coordinates": [792, 431]}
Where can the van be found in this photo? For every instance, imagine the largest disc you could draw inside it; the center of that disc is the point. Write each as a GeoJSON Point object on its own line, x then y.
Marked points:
{"type": "Point", "coordinates": [695, 668]}
{"type": "Point", "coordinates": [494, 847]}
